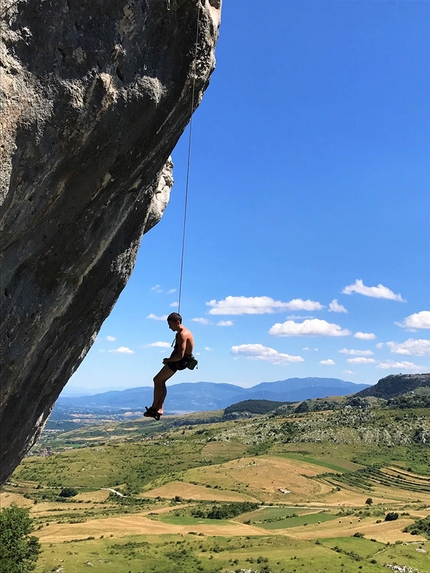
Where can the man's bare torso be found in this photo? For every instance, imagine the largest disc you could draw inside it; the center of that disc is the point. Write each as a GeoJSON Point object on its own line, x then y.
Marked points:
{"type": "Point", "coordinates": [185, 335]}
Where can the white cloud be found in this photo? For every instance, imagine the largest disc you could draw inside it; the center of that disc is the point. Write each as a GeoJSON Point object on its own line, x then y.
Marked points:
{"type": "Point", "coordinates": [411, 347]}
{"type": "Point", "coordinates": [364, 335]}
{"type": "Point", "coordinates": [259, 305]}
{"type": "Point", "coordinates": [300, 304]}
{"type": "Point", "coordinates": [122, 350]}
{"type": "Point", "coordinates": [334, 306]}
{"type": "Point", "coordinates": [305, 348]}
{"type": "Point", "coordinates": [158, 345]}
{"type": "Point", "coordinates": [380, 345]}
{"type": "Point", "coordinates": [379, 291]}
{"type": "Point", "coordinates": [361, 360]}
{"type": "Point", "coordinates": [393, 365]}
{"type": "Point", "coordinates": [299, 317]}
{"type": "Point", "coordinates": [208, 348]}
{"type": "Point", "coordinates": [328, 362]}
{"type": "Point", "coordinates": [158, 289]}
{"type": "Point", "coordinates": [260, 352]}
{"type": "Point", "coordinates": [201, 320]}
{"type": "Point", "coordinates": [225, 323]}
{"type": "Point", "coordinates": [110, 338]}
{"type": "Point", "coordinates": [174, 304]}
{"type": "Point", "coordinates": [347, 372]}
{"type": "Point", "coordinates": [313, 327]}
{"type": "Point", "coordinates": [416, 320]}
{"type": "Point", "coordinates": [353, 352]}
{"type": "Point", "coordinates": [155, 317]}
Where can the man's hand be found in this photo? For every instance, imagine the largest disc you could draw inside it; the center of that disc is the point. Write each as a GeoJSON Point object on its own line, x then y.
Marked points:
{"type": "Point", "coordinates": [165, 360]}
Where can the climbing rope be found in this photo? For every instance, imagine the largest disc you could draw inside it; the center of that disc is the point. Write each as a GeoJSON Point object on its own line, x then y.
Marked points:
{"type": "Point", "coordinates": [187, 181]}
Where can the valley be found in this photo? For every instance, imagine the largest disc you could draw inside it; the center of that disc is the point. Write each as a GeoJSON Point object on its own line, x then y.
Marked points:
{"type": "Point", "coordinates": [281, 492]}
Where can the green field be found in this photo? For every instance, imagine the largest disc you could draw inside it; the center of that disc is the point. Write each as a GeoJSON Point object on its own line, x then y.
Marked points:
{"type": "Point", "coordinates": [273, 513]}
{"type": "Point", "coordinates": [340, 466]}
{"type": "Point", "coordinates": [173, 519]}
{"type": "Point", "coordinates": [362, 547]}
{"type": "Point", "coordinates": [168, 554]}
{"type": "Point", "coordinates": [270, 518]}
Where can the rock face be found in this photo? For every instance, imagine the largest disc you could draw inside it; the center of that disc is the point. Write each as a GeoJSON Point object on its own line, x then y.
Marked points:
{"type": "Point", "coordinates": [94, 95]}
{"type": "Point", "coordinates": [396, 385]}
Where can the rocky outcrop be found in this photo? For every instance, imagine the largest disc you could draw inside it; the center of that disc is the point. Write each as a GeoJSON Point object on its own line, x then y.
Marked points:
{"type": "Point", "coordinates": [396, 385]}
{"type": "Point", "coordinates": [94, 96]}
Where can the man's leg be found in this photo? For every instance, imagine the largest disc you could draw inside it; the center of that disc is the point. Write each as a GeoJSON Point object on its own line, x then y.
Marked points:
{"type": "Point", "coordinates": [160, 390]}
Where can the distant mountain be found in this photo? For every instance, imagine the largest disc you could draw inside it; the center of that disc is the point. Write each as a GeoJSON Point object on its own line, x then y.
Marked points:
{"type": "Point", "coordinates": [200, 396]}
{"type": "Point", "coordinates": [396, 385]}
{"type": "Point", "coordinates": [186, 397]}
{"type": "Point", "coordinates": [297, 389]}
{"type": "Point", "coordinates": [76, 391]}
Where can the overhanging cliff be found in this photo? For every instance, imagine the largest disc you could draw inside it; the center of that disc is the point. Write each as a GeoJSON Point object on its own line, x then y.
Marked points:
{"type": "Point", "coordinates": [94, 96]}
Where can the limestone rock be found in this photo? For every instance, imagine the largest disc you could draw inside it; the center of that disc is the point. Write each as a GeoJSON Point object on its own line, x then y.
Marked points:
{"type": "Point", "coordinates": [93, 98]}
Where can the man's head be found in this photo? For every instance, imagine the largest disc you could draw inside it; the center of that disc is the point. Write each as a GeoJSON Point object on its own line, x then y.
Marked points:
{"type": "Point", "coordinates": [174, 320]}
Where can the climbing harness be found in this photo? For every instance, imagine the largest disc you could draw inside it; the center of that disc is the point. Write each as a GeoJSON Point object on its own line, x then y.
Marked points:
{"type": "Point", "coordinates": [188, 161]}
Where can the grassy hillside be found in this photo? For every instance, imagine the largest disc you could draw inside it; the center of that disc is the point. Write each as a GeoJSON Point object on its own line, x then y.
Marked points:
{"type": "Point", "coordinates": [124, 453]}
{"type": "Point", "coordinates": [253, 407]}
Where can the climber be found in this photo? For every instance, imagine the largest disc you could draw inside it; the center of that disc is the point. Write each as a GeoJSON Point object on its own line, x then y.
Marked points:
{"type": "Point", "coordinates": [181, 358]}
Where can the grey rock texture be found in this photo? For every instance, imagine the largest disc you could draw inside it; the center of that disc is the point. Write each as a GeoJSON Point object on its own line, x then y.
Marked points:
{"type": "Point", "coordinates": [94, 95]}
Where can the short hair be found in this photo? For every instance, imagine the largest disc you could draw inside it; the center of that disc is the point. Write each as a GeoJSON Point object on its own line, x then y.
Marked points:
{"type": "Point", "coordinates": [174, 317]}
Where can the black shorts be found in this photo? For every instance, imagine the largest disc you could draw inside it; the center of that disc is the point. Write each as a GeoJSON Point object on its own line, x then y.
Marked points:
{"type": "Point", "coordinates": [180, 364]}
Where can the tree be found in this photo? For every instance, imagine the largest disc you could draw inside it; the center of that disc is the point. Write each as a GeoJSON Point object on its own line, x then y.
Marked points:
{"type": "Point", "coordinates": [18, 550]}
{"type": "Point", "coordinates": [302, 407]}
{"type": "Point", "coordinates": [68, 492]}
{"type": "Point", "coordinates": [369, 501]}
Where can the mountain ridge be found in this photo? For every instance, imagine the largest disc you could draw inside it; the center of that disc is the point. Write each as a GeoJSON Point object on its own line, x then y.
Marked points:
{"type": "Point", "coordinates": [396, 385]}
{"type": "Point", "coordinates": [204, 396]}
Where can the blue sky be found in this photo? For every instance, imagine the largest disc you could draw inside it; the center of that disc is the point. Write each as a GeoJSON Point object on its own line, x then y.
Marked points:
{"type": "Point", "coordinates": [307, 245]}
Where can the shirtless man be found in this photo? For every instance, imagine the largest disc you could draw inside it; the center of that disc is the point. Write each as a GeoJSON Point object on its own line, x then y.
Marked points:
{"type": "Point", "coordinates": [178, 360]}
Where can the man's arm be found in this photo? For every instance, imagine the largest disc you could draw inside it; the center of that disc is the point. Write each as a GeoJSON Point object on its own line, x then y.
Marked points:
{"type": "Point", "coordinates": [179, 351]}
